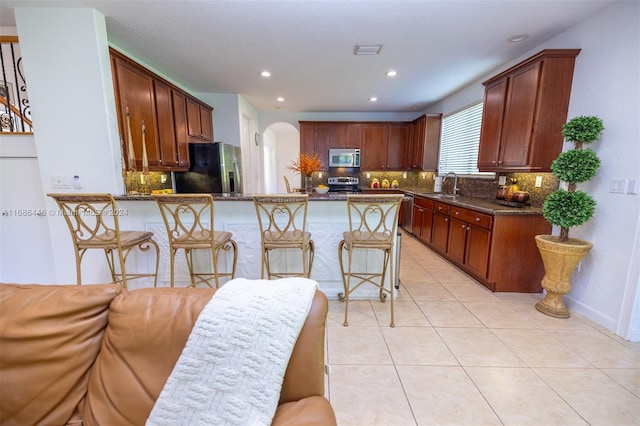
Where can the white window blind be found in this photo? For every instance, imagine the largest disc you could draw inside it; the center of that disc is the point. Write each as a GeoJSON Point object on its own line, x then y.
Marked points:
{"type": "Point", "coordinates": [459, 142]}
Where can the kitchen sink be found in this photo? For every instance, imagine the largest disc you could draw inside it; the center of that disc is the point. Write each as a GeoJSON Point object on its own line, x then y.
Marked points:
{"type": "Point", "coordinates": [437, 195]}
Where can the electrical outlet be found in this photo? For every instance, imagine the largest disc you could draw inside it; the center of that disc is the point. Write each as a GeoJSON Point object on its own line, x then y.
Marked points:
{"type": "Point", "coordinates": [59, 182]}
{"type": "Point", "coordinates": [616, 186]}
{"type": "Point", "coordinates": [538, 181]}
{"type": "Point", "coordinates": [368, 175]}
{"type": "Point", "coordinates": [502, 180]}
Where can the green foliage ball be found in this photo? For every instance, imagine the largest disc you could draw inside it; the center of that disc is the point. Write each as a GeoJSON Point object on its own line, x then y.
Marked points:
{"type": "Point", "coordinates": [568, 209]}
{"type": "Point", "coordinates": [576, 165]}
{"type": "Point", "coordinates": [585, 129]}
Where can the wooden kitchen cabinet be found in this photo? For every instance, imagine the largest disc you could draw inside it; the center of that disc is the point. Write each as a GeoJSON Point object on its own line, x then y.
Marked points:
{"type": "Point", "coordinates": [524, 110]}
{"type": "Point", "coordinates": [182, 132]}
{"type": "Point", "coordinates": [199, 121]}
{"type": "Point", "coordinates": [165, 111]}
{"type": "Point", "coordinates": [385, 146]}
{"type": "Point", "coordinates": [422, 219]}
{"type": "Point", "coordinates": [470, 239]}
{"type": "Point", "coordinates": [424, 142]}
{"type": "Point", "coordinates": [135, 90]}
{"type": "Point", "coordinates": [440, 227]}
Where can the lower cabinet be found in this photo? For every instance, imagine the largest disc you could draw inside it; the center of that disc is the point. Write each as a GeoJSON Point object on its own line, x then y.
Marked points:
{"type": "Point", "coordinates": [422, 219]}
{"type": "Point", "coordinates": [498, 250]}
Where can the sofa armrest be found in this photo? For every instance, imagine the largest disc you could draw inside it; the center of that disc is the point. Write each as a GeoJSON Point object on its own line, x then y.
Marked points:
{"type": "Point", "coordinates": [305, 373]}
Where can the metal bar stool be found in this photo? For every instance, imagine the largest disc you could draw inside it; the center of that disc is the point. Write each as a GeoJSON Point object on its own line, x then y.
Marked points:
{"type": "Point", "coordinates": [93, 222]}
{"type": "Point", "coordinates": [283, 226]}
{"type": "Point", "coordinates": [186, 217]}
{"type": "Point", "coordinates": [373, 223]}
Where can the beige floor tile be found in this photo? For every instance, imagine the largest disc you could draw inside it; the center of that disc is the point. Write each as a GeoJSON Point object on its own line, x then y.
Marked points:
{"type": "Point", "coordinates": [406, 314]}
{"type": "Point", "coordinates": [445, 396]}
{"type": "Point", "coordinates": [360, 313]}
{"type": "Point", "coordinates": [594, 395]}
{"type": "Point", "coordinates": [628, 378]}
{"type": "Point", "coordinates": [472, 293]}
{"type": "Point", "coordinates": [498, 315]}
{"type": "Point", "coordinates": [526, 298]}
{"type": "Point", "coordinates": [430, 292]}
{"type": "Point", "coordinates": [448, 314]}
{"type": "Point", "coordinates": [417, 346]}
{"type": "Point", "coordinates": [540, 320]}
{"type": "Point", "coordinates": [368, 395]}
{"type": "Point", "coordinates": [520, 397]}
{"type": "Point", "coordinates": [539, 349]}
{"type": "Point", "coordinates": [597, 348]}
{"type": "Point", "coordinates": [478, 348]}
{"type": "Point", "coordinates": [357, 345]}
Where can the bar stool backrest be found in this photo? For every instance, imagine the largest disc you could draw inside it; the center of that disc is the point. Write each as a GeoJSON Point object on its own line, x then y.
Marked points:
{"type": "Point", "coordinates": [187, 217]}
{"type": "Point", "coordinates": [282, 218]}
{"type": "Point", "coordinates": [92, 219]}
{"type": "Point", "coordinates": [373, 219]}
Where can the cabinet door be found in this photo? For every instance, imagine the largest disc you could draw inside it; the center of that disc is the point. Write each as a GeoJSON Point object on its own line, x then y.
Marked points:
{"type": "Point", "coordinates": [326, 134]}
{"type": "Point", "coordinates": [426, 225]}
{"type": "Point", "coordinates": [307, 137]}
{"type": "Point", "coordinates": [374, 146]}
{"type": "Point", "coordinates": [166, 128]}
{"type": "Point", "coordinates": [354, 135]}
{"type": "Point", "coordinates": [193, 118]}
{"type": "Point", "coordinates": [206, 123]}
{"type": "Point", "coordinates": [180, 122]}
{"type": "Point", "coordinates": [135, 90]}
{"type": "Point", "coordinates": [416, 223]}
{"type": "Point", "coordinates": [398, 147]}
{"type": "Point", "coordinates": [457, 240]}
{"type": "Point", "coordinates": [440, 232]}
{"type": "Point", "coordinates": [417, 134]}
{"type": "Point", "coordinates": [431, 151]}
{"type": "Point", "coordinates": [518, 119]}
{"type": "Point", "coordinates": [477, 249]}
{"type": "Point", "coordinates": [491, 129]}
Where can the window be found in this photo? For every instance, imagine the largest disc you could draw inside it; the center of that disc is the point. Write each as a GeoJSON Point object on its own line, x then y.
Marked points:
{"type": "Point", "coordinates": [459, 142]}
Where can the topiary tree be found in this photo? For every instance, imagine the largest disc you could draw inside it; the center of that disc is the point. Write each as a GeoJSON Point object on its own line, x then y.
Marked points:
{"type": "Point", "coordinates": [569, 208]}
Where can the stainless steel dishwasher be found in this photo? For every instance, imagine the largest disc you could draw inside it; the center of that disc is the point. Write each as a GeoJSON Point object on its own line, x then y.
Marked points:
{"type": "Point", "coordinates": [406, 220]}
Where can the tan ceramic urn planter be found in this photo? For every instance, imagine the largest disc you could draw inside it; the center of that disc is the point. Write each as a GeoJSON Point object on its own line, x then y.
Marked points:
{"type": "Point", "coordinates": [560, 260]}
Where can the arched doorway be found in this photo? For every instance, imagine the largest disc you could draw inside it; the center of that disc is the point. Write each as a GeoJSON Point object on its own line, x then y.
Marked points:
{"type": "Point", "coordinates": [281, 146]}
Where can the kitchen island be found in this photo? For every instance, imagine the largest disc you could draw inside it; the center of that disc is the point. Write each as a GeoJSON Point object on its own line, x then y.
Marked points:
{"type": "Point", "coordinates": [326, 220]}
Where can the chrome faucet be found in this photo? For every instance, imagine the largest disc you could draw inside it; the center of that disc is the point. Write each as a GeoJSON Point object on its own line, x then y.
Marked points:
{"type": "Point", "coordinates": [455, 181]}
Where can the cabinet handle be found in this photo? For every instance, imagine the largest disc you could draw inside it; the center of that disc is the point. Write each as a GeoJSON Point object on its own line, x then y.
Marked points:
{"type": "Point", "coordinates": [463, 227]}
{"type": "Point", "coordinates": [446, 219]}
{"type": "Point", "coordinates": [477, 219]}
{"type": "Point", "coordinates": [468, 227]}
{"type": "Point", "coordinates": [457, 213]}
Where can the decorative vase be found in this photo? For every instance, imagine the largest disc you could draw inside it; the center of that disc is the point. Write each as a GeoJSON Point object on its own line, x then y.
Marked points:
{"type": "Point", "coordinates": [308, 184]}
{"type": "Point", "coordinates": [559, 260]}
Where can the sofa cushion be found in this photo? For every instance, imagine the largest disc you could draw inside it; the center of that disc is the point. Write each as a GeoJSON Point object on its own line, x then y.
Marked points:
{"type": "Point", "coordinates": [148, 329]}
{"type": "Point", "coordinates": [50, 336]}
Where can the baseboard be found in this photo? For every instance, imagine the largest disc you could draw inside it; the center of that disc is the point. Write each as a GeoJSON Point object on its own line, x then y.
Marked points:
{"type": "Point", "coordinates": [593, 315]}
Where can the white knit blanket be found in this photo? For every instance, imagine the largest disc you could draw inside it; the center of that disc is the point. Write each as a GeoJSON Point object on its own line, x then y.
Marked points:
{"type": "Point", "coordinates": [232, 367]}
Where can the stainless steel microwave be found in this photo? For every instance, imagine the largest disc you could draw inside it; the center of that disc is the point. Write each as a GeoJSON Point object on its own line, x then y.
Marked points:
{"type": "Point", "coordinates": [344, 157]}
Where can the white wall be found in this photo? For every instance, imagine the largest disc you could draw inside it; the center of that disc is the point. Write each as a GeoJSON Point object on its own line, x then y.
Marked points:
{"type": "Point", "coordinates": [606, 83]}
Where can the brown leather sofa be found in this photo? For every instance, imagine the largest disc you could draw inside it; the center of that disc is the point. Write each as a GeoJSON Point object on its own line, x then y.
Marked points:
{"type": "Point", "coordinates": [98, 355]}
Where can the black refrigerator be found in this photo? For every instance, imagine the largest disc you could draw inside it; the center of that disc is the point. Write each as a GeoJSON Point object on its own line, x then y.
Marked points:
{"type": "Point", "coordinates": [214, 168]}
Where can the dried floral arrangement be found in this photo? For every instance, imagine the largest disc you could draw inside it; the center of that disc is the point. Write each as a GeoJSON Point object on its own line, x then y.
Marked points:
{"type": "Point", "coordinates": [306, 164]}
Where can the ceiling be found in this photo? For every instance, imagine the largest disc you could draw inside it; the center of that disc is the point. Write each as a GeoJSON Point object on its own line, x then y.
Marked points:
{"type": "Point", "coordinates": [436, 47]}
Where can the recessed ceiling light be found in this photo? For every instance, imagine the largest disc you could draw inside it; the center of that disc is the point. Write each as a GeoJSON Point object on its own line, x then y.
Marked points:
{"type": "Point", "coordinates": [280, 99]}
{"type": "Point", "coordinates": [519, 37]}
{"type": "Point", "coordinates": [373, 99]}
{"type": "Point", "coordinates": [391, 73]}
{"type": "Point", "coordinates": [265, 73]}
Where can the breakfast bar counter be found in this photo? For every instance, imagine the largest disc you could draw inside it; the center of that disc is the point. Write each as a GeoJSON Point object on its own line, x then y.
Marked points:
{"type": "Point", "coordinates": [326, 221]}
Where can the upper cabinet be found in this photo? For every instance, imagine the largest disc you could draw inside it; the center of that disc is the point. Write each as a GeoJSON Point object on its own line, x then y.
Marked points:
{"type": "Point", "coordinates": [320, 136]}
{"type": "Point", "coordinates": [171, 117]}
{"type": "Point", "coordinates": [525, 108]}
{"type": "Point", "coordinates": [385, 146]}
{"type": "Point", "coordinates": [200, 121]}
{"type": "Point", "coordinates": [424, 146]}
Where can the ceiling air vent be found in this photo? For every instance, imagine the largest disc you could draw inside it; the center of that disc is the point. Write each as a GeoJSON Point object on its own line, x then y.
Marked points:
{"type": "Point", "coordinates": [367, 49]}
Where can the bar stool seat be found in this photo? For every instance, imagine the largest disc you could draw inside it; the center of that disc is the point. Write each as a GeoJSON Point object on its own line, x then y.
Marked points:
{"type": "Point", "coordinates": [373, 224]}
{"type": "Point", "coordinates": [93, 222]}
{"type": "Point", "coordinates": [185, 217]}
{"type": "Point", "coordinates": [283, 223]}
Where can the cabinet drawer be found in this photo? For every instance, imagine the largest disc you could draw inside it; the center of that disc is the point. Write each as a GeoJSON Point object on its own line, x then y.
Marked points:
{"type": "Point", "coordinates": [423, 202]}
{"type": "Point", "coordinates": [441, 208]}
{"type": "Point", "coordinates": [471, 216]}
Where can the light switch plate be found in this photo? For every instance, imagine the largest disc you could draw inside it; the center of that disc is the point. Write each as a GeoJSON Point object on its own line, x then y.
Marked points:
{"type": "Point", "coordinates": [632, 186]}
{"type": "Point", "coordinates": [616, 186]}
{"type": "Point", "coordinates": [59, 182]}
{"type": "Point", "coordinates": [502, 180]}
{"type": "Point", "coordinates": [538, 181]}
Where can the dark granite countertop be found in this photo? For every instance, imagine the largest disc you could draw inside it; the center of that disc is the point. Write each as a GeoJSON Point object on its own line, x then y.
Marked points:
{"type": "Point", "coordinates": [484, 205]}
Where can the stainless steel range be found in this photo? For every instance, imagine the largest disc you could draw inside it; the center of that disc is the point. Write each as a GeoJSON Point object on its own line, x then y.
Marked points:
{"type": "Point", "coordinates": [343, 184]}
